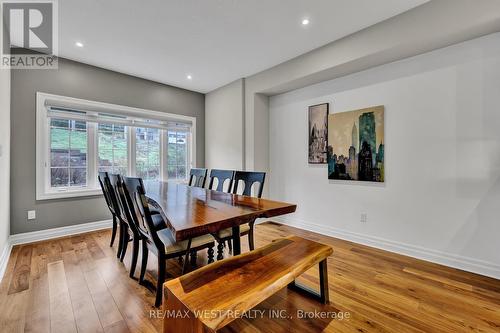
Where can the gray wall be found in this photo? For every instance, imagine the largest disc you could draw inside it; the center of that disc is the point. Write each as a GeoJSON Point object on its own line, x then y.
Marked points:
{"type": "Point", "coordinates": [78, 80]}
{"type": "Point", "coordinates": [4, 157]}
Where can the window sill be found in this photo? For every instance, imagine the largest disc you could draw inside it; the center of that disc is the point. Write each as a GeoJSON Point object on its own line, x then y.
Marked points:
{"type": "Point", "coordinates": [68, 194]}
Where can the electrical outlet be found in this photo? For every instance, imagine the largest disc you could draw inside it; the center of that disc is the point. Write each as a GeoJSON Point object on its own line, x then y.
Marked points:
{"type": "Point", "coordinates": [31, 214]}
{"type": "Point", "coordinates": [363, 218]}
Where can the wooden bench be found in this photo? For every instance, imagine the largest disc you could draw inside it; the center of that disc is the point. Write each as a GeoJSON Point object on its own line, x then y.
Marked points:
{"type": "Point", "coordinates": [211, 297]}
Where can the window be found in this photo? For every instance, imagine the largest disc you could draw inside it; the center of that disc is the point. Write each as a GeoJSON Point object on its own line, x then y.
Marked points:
{"type": "Point", "coordinates": [177, 154]}
{"type": "Point", "coordinates": [68, 153]}
{"type": "Point", "coordinates": [147, 158]}
{"type": "Point", "coordinates": [113, 148]}
{"type": "Point", "coordinates": [76, 139]}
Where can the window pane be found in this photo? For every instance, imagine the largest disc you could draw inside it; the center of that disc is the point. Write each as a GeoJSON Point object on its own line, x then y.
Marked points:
{"type": "Point", "coordinates": [59, 123]}
{"type": "Point", "coordinates": [59, 157]}
{"type": "Point", "coordinates": [105, 127]}
{"type": "Point", "coordinates": [79, 139]}
{"type": "Point", "coordinates": [120, 170]}
{"type": "Point", "coordinates": [181, 153]}
{"type": "Point", "coordinates": [120, 158]}
{"type": "Point", "coordinates": [78, 177]}
{"type": "Point", "coordinates": [148, 153]}
{"type": "Point", "coordinates": [153, 173]}
{"type": "Point", "coordinates": [154, 156]}
{"type": "Point", "coordinates": [59, 138]}
{"type": "Point", "coordinates": [78, 158]}
{"type": "Point", "coordinates": [68, 153]}
{"type": "Point", "coordinates": [142, 172]}
{"type": "Point", "coordinates": [119, 128]}
{"type": "Point", "coordinates": [113, 148]}
{"type": "Point", "coordinates": [59, 177]}
{"type": "Point", "coordinates": [172, 172]}
{"type": "Point", "coordinates": [119, 141]}
{"type": "Point", "coordinates": [105, 140]}
{"type": "Point", "coordinates": [177, 154]}
{"type": "Point", "coordinates": [105, 158]}
{"type": "Point", "coordinates": [181, 172]}
{"type": "Point", "coordinates": [172, 153]}
{"type": "Point", "coordinates": [105, 169]}
{"type": "Point", "coordinates": [80, 125]}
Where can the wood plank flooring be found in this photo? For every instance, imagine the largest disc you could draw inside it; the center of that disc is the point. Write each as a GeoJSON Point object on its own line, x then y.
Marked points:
{"type": "Point", "coordinates": [76, 284]}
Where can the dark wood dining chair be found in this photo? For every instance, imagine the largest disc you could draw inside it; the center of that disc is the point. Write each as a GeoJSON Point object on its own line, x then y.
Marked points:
{"type": "Point", "coordinates": [161, 242]}
{"type": "Point", "coordinates": [197, 177]}
{"type": "Point", "coordinates": [132, 233]}
{"type": "Point", "coordinates": [104, 181]}
{"type": "Point", "coordinates": [126, 234]}
{"type": "Point", "coordinates": [248, 178]}
{"type": "Point", "coordinates": [221, 176]}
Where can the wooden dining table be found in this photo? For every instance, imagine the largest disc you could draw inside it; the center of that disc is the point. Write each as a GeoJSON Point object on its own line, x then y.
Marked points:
{"type": "Point", "coordinates": [190, 212]}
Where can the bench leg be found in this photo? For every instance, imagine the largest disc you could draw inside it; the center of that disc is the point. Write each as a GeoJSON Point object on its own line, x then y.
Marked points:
{"type": "Point", "coordinates": [178, 318]}
{"type": "Point", "coordinates": [323, 296]}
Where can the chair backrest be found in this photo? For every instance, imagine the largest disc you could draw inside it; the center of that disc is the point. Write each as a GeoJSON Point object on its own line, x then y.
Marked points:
{"type": "Point", "coordinates": [249, 178]}
{"type": "Point", "coordinates": [222, 176]}
{"type": "Point", "coordinates": [101, 177]}
{"type": "Point", "coordinates": [109, 196]}
{"type": "Point", "coordinates": [197, 177]}
{"type": "Point", "coordinates": [132, 187]}
{"type": "Point", "coordinates": [135, 196]}
{"type": "Point", "coordinates": [113, 180]}
{"type": "Point", "coordinates": [126, 213]}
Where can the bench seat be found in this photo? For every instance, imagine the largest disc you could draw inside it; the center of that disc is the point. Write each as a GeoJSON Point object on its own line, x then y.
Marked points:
{"type": "Point", "coordinates": [217, 293]}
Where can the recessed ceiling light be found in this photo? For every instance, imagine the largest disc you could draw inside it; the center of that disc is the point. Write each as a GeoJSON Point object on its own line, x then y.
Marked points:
{"type": "Point", "coordinates": [189, 77]}
{"type": "Point", "coordinates": [305, 21]}
{"type": "Point", "coordinates": [79, 44]}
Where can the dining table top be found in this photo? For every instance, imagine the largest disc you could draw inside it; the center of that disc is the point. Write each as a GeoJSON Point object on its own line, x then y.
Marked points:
{"type": "Point", "coordinates": [192, 211]}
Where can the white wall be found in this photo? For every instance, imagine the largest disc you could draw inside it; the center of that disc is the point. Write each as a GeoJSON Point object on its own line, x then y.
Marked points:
{"type": "Point", "coordinates": [441, 198]}
{"type": "Point", "coordinates": [430, 26]}
{"type": "Point", "coordinates": [224, 127]}
{"type": "Point", "coordinates": [4, 158]}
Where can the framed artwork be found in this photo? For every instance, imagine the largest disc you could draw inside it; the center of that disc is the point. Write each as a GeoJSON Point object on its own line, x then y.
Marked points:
{"type": "Point", "coordinates": [318, 133]}
{"type": "Point", "coordinates": [356, 145]}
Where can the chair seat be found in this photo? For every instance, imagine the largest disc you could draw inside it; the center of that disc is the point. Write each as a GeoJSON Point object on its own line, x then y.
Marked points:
{"type": "Point", "coordinates": [226, 233]}
{"type": "Point", "coordinates": [171, 246]}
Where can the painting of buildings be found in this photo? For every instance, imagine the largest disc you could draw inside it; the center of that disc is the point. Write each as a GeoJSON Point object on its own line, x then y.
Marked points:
{"type": "Point", "coordinates": [318, 131]}
{"type": "Point", "coordinates": [356, 145]}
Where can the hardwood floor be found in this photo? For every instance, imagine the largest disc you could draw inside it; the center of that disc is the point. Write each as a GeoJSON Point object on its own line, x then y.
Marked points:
{"type": "Point", "coordinates": [76, 284]}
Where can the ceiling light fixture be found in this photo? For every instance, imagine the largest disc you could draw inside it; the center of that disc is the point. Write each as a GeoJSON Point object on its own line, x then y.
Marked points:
{"type": "Point", "coordinates": [189, 77]}
{"type": "Point", "coordinates": [79, 44]}
{"type": "Point", "coordinates": [305, 21]}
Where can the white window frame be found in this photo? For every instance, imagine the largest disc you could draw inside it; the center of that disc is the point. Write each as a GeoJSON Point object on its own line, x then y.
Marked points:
{"type": "Point", "coordinates": [43, 189]}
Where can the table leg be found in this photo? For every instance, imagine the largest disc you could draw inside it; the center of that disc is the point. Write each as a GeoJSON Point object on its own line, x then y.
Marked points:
{"type": "Point", "coordinates": [236, 241]}
{"type": "Point", "coordinates": [186, 259]}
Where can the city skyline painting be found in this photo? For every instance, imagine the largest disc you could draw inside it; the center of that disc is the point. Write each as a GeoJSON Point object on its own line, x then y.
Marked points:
{"type": "Point", "coordinates": [318, 132]}
{"type": "Point", "coordinates": [356, 145]}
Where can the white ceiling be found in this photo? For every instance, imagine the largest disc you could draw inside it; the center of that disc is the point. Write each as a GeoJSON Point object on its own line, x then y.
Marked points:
{"type": "Point", "coordinates": [215, 41]}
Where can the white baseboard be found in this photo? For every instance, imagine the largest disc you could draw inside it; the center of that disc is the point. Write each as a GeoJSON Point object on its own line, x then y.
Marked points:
{"type": "Point", "coordinates": [36, 236]}
{"type": "Point", "coordinates": [4, 259]}
{"type": "Point", "coordinates": [448, 259]}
